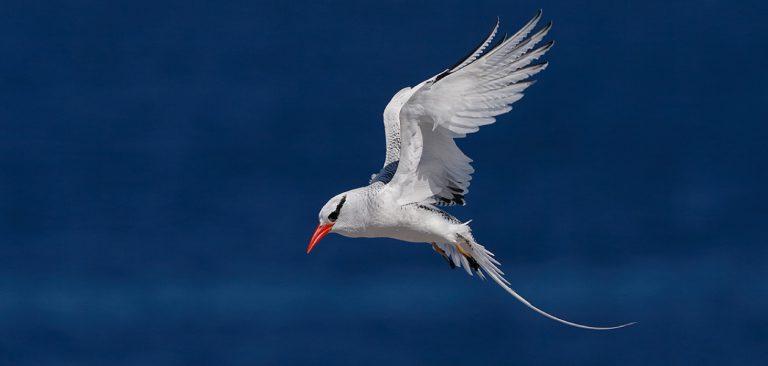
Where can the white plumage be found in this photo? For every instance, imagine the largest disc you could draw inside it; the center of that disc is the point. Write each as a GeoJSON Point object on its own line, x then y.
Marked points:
{"type": "Point", "coordinates": [424, 168]}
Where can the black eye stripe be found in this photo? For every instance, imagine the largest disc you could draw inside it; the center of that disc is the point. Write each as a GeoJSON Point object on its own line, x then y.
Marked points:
{"type": "Point", "coordinates": [335, 214]}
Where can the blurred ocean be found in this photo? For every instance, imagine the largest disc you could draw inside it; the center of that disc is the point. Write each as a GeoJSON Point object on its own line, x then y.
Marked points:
{"type": "Point", "coordinates": [162, 166]}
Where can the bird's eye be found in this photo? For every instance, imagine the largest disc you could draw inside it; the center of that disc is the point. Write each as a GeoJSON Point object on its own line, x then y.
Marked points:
{"type": "Point", "coordinates": [335, 214]}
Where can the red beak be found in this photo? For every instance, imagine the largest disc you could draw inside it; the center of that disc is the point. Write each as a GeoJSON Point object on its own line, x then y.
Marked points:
{"type": "Point", "coordinates": [320, 232]}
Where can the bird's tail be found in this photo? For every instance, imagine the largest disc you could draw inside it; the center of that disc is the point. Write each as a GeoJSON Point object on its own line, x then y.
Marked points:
{"type": "Point", "coordinates": [469, 254]}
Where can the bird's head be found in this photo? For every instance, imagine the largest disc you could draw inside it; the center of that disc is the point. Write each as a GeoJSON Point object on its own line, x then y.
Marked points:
{"type": "Point", "coordinates": [329, 215]}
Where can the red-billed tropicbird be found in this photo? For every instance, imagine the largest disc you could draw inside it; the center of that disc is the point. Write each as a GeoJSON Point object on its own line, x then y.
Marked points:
{"type": "Point", "coordinates": [424, 168]}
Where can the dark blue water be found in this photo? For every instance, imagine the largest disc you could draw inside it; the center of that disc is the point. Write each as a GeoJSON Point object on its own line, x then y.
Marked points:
{"type": "Point", "coordinates": [162, 166]}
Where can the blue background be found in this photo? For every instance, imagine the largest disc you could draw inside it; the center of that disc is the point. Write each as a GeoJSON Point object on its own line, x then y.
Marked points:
{"type": "Point", "coordinates": [162, 166]}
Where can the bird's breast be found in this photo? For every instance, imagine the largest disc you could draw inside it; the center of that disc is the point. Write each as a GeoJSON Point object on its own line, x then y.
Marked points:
{"type": "Point", "coordinates": [401, 223]}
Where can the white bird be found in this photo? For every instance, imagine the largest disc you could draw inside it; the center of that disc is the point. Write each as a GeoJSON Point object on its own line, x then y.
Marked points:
{"type": "Point", "coordinates": [424, 168]}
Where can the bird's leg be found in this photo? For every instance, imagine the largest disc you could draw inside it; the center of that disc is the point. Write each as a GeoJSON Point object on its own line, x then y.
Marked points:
{"type": "Point", "coordinates": [444, 255]}
{"type": "Point", "coordinates": [472, 262]}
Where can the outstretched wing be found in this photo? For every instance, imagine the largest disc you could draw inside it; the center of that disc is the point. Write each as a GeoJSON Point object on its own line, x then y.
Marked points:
{"type": "Point", "coordinates": [392, 112]}
{"type": "Point", "coordinates": [456, 102]}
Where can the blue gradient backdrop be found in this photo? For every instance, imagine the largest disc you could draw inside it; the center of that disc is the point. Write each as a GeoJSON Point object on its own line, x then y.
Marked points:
{"type": "Point", "coordinates": [162, 165]}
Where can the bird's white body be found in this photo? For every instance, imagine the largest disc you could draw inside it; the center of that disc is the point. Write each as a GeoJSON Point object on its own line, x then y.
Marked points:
{"type": "Point", "coordinates": [379, 216]}
{"type": "Point", "coordinates": [424, 168]}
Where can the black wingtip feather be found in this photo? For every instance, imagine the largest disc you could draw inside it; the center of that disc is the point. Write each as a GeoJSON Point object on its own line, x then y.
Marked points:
{"type": "Point", "coordinates": [547, 26]}
{"type": "Point", "coordinates": [545, 47]}
{"type": "Point", "coordinates": [474, 49]}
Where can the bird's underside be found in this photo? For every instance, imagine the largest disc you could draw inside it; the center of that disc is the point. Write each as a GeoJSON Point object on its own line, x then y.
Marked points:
{"type": "Point", "coordinates": [424, 168]}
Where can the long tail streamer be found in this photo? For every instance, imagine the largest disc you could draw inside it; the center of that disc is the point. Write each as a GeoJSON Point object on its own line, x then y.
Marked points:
{"type": "Point", "coordinates": [489, 265]}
